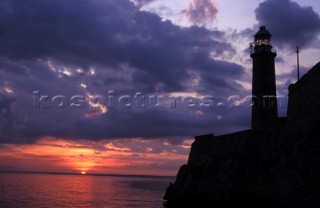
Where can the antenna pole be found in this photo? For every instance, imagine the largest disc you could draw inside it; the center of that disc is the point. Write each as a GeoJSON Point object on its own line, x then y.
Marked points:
{"type": "Point", "coordinates": [298, 64]}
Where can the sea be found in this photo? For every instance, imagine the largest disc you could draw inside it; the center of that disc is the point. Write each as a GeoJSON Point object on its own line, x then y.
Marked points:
{"type": "Point", "coordinates": [47, 190]}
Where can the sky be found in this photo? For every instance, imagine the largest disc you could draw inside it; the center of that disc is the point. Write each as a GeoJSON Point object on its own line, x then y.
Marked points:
{"type": "Point", "coordinates": [122, 87]}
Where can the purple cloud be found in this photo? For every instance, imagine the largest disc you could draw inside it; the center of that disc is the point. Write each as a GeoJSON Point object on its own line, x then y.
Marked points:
{"type": "Point", "coordinates": [289, 22]}
{"type": "Point", "coordinates": [60, 48]}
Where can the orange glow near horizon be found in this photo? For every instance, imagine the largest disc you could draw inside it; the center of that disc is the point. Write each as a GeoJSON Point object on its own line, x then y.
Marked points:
{"type": "Point", "coordinates": [127, 156]}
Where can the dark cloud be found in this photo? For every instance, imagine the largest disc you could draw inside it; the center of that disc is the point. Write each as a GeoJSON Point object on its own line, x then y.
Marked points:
{"type": "Point", "coordinates": [73, 32]}
{"type": "Point", "coordinates": [6, 117]}
{"type": "Point", "coordinates": [85, 34]}
{"type": "Point", "coordinates": [5, 108]}
{"type": "Point", "coordinates": [53, 46]}
{"type": "Point", "coordinates": [289, 22]}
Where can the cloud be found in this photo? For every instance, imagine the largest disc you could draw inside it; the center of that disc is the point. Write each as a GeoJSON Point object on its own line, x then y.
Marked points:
{"type": "Point", "coordinates": [202, 11]}
{"type": "Point", "coordinates": [134, 156]}
{"type": "Point", "coordinates": [141, 3]}
{"type": "Point", "coordinates": [91, 47]}
{"type": "Point", "coordinates": [6, 115]}
{"type": "Point", "coordinates": [289, 22]}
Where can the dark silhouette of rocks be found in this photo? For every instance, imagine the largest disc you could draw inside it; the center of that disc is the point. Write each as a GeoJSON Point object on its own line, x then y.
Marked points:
{"type": "Point", "coordinates": [274, 164]}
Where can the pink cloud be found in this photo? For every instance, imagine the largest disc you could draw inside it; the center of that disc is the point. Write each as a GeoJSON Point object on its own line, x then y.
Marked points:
{"type": "Point", "coordinates": [202, 11]}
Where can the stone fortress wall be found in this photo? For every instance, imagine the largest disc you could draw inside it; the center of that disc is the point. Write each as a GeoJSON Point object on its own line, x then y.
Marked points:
{"type": "Point", "coordinates": [271, 167]}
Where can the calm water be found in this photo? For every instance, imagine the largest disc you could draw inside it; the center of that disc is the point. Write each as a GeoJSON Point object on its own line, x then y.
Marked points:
{"type": "Point", "coordinates": [58, 190]}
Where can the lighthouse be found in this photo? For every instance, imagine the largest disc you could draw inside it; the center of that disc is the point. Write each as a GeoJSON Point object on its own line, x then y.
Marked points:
{"type": "Point", "coordinates": [264, 106]}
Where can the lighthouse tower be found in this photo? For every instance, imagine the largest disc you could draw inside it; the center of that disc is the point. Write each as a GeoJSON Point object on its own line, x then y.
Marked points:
{"type": "Point", "coordinates": [264, 109]}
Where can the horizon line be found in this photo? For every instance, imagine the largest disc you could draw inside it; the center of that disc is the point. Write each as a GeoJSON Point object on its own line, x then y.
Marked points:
{"type": "Point", "coordinates": [87, 174]}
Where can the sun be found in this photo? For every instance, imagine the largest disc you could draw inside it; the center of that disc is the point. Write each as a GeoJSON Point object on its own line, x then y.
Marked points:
{"type": "Point", "coordinates": [83, 172]}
